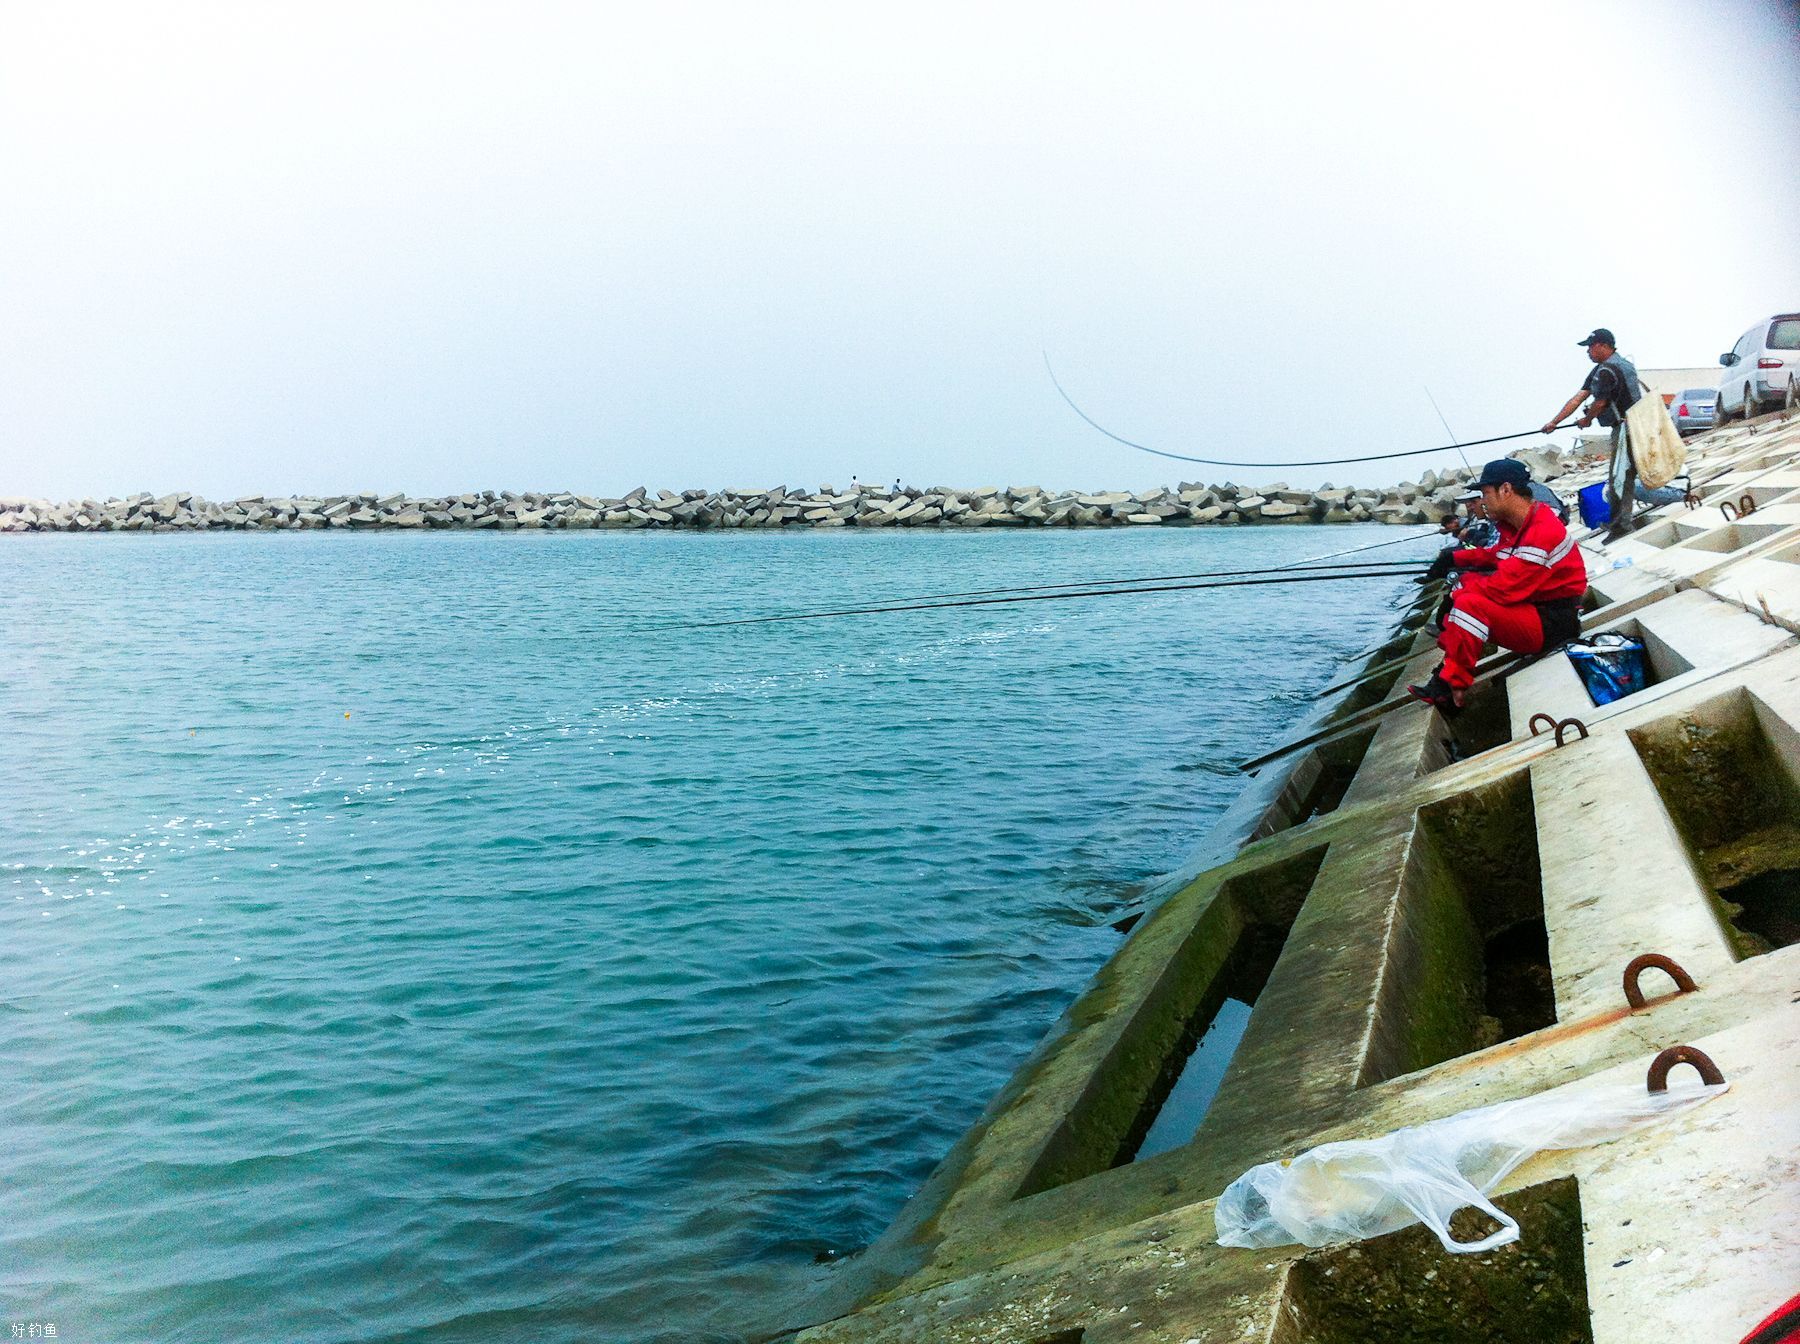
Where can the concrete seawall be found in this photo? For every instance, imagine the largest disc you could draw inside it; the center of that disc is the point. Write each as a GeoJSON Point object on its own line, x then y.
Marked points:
{"type": "Point", "coordinates": [1425, 916]}
{"type": "Point", "coordinates": [1424, 500]}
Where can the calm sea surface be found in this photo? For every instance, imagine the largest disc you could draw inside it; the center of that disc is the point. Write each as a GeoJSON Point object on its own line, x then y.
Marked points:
{"type": "Point", "coordinates": [416, 938]}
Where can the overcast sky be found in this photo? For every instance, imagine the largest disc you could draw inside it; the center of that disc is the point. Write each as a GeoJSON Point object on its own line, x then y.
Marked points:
{"type": "Point", "coordinates": [441, 247]}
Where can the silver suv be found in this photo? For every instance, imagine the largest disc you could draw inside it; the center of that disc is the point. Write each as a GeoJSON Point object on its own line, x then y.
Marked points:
{"type": "Point", "coordinates": [1762, 370]}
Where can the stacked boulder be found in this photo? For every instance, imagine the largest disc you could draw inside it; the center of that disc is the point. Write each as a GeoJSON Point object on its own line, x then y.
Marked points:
{"type": "Point", "coordinates": [1425, 500]}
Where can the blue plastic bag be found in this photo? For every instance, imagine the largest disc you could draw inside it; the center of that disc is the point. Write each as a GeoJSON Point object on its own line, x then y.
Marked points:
{"type": "Point", "coordinates": [1610, 666]}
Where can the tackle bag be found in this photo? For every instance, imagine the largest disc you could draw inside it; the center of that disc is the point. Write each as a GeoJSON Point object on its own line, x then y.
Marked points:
{"type": "Point", "coordinates": [1610, 666]}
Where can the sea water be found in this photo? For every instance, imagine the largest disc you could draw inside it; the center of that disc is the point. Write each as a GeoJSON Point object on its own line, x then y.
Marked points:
{"type": "Point", "coordinates": [439, 938]}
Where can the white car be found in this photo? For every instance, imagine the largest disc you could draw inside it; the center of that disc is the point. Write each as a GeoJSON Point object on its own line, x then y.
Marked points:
{"type": "Point", "coordinates": [1762, 371]}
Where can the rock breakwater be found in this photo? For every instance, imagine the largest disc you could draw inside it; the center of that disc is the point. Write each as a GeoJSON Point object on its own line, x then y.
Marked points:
{"type": "Point", "coordinates": [1186, 504]}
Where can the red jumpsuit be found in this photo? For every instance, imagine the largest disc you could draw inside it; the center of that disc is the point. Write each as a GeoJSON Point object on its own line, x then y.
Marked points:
{"type": "Point", "coordinates": [1538, 563]}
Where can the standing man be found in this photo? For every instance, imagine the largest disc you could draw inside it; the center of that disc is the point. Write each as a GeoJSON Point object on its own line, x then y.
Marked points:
{"type": "Point", "coordinates": [1613, 385]}
{"type": "Point", "coordinates": [1530, 601]}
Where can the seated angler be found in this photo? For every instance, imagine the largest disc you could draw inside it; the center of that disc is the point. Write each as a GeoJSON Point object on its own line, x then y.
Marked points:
{"type": "Point", "coordinates": [1529, 601]}
{"type": "Point", "coordinates": [1476, 532]}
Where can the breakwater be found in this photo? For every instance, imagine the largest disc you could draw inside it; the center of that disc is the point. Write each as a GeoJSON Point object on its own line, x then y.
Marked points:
{"type": "Point", "coordinates": [1185, 504]}
{"type": "Point", "coordinates": [1407, 917]}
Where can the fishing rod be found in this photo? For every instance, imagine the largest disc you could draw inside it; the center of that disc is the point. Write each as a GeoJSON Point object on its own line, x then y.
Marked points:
{"type": "Point", "coordinates": [1372, 546]}
{"type": "Point", "coordinates": [1446, 424]}
{"type": "Point", "coordinates": [1388, 574]}
{"type": "Point", "coordinates": [1310, 462]}
{"type": "Point", "coordinates": [1399, 567]}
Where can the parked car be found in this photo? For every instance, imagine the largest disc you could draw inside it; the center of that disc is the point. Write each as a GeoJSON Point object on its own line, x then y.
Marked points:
{"type": "Point", "coordinates": [1762, 369]}
{"type": "Point", "coordinates": [1695, 409]}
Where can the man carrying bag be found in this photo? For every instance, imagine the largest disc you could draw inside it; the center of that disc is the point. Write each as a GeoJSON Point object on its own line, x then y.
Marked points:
{"type": "Point", "coordinates": [1641, 428]}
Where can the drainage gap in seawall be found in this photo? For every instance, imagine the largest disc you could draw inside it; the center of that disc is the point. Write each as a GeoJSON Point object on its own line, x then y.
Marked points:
{"type": "Point", "coordinates": [1224, 961]}
{"type": "Point", "coordinates": [1318, 783]}
{"type": "Point", "coordinates": [1403, 1289]}
{"type": "Point", "coordinates": [1469, 955]}
{"type": "Point", "coordinates": [1485, 723]}
{"type": "Point", "coordinates": [1268, 901]}
{"type": "Point", "coordinates": [1729, 774]}
{"type": "Point", "coordinates": [1370, 691]}
{"type": "Point", "coordinates": [1198, 1083]}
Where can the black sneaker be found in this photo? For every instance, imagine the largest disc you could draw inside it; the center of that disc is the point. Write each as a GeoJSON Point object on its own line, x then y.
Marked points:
{"type": "Point", "coordinates": [1439, 694]}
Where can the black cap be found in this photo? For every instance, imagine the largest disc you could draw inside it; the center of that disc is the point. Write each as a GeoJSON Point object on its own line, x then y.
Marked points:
{"type": "Point", "coordinates": [1598, 334]}
{"type": "Point", "coordinates": [1506, 471]}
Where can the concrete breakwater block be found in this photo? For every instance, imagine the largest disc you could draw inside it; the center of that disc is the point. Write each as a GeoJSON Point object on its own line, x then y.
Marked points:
{"type": "Point", "coordinates": [1190, 503]}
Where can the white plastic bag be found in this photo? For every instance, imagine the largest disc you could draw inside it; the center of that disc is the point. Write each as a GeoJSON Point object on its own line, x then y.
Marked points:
{"type": "Point", "coordinates": [1656, 446]}
{"type": "Point", "coordinates": [1364, 1187]}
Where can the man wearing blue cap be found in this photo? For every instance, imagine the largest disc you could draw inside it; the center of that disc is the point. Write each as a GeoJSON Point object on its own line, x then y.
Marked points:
{"type": "Point", "coordinates": [1613, 385]}
{"type": "Point", "coordinates": [1529, 601]}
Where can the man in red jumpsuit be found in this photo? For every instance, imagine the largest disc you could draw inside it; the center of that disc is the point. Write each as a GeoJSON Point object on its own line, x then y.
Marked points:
{"type": "Point", "coordinates": [1523, 593]}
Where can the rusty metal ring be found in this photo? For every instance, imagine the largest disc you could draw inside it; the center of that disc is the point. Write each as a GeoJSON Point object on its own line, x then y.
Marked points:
{"type": "Point", "coordinates": [1684, 983]}
{"type": "Point", "coordinates": [1731, 513]}
{"type": "Point", "coordinates": [1548, 719]}
{"type": "Point", "coordinates": [1567, 724]}
{"type": "Point", "coordinates": [1746, 505]}
{"type": "Point", "coordinates": [1657, 1080]}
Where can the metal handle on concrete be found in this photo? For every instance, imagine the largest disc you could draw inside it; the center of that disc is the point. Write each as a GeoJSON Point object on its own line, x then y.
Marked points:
{"type": "Point", "coordinates": [1567, 724]}
{"type": "Point", "coordinates": [1729, 511]}
{"type": "Point", "coordinates": [1684, 983]}
{"type": "Point", "coordinates": [1658, 1078]}
{"type": "Point", "coordinates": [1549, 721]}
{"type": "Point", "coordinates": [1747, 505]}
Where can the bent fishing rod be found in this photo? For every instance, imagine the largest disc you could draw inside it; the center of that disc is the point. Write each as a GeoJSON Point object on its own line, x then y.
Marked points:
{"type": "Point", "coordinates": [1309, 462]}
{"type": "Point", "coordinates": [1387, 574]}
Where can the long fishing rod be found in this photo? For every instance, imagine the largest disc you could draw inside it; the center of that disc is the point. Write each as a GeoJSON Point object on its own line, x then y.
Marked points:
{"type": "Point", "coordinates": [1390, 575]}
{"type": "Point", "coordinates": [1446, 424]}
{"type": "Point", "coordinates": [1398, 566]}
{"type": "Point", "coordinates": [1372, 546]}
{"type": "Point", "coordinates": [1310, 462]}
{"type": "Point", "coordinates": [1311, 563]}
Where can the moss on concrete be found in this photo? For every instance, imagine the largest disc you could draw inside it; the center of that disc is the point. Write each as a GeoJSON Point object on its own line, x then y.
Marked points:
{"type": "Point", "coordinates": [1404, 1288]}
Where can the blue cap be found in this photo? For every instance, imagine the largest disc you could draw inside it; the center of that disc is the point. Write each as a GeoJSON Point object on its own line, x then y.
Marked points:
{"type": "Point", "coordinates": [1506, 471]}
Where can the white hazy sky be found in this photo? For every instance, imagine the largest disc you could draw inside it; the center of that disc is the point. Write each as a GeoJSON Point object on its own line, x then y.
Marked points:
{"type": "Point", "coordinates": [258, 247]}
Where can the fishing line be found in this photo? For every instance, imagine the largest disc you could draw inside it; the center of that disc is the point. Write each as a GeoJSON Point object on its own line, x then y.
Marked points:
{"type": "Point", "coordinates": [1403, 565]}
{"type": "Point", "coordinates": [1387, 574]}
{"type": "Point", "coordinates": [1398, 566]}
{"type": "Point", "coordinates": [1310, 462]}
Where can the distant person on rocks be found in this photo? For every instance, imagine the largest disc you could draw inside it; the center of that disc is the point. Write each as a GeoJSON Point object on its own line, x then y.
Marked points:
{"type": "Point", "coordinates": [1613, 385]}
{"type": "Point", "coordinates": [1528, 601]}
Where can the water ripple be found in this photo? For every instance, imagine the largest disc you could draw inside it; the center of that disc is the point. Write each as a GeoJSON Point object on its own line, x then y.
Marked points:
{"type": "Point", "coordinates": [416, 939]}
